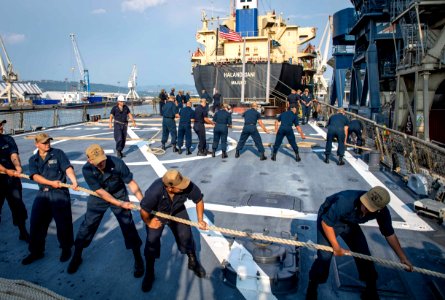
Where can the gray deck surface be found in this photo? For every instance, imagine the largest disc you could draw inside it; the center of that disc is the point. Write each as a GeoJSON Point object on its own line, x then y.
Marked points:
{"type": "Point", "coordinates": [106, 271]}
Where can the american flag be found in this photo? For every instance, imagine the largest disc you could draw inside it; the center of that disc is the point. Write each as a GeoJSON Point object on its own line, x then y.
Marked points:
{"type": "Point", "coordinates": [226, 33]}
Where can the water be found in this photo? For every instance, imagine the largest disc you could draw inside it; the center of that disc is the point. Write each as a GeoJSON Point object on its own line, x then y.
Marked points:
{"type": "Point", "coordinates": [29, 120]}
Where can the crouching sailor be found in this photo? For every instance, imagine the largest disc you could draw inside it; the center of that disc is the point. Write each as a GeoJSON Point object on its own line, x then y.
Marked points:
{"type": "Point", "coordinates": [168, 195]}
{"type": "Point", "coordinates": [286, 120]}
{"type": "Point", "coordinates": [107, 176]}
{"type": "Point", "coordinates": [340, 215]}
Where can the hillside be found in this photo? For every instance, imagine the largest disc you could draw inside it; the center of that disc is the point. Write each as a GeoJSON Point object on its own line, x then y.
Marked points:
{"type": "Point", "coordinates": [147, 90]}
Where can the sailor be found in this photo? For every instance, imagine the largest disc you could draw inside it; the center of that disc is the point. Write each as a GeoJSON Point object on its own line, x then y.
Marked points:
{"type": "Point", "coordinates": [121, 113]}
{"type": "Point", "coordinates": [216, 101]}
{"type": "Point", "coordinates": [187, 97]}
{"type": "Point", "coordinates": [49, 167]}
{"type": "Point", "coordinates": [184, 98]}
{"type": "Point", "coordinates": [340, 215]}
{"type": "Point", "coordinates": [10, 184]}
{"type": "Point", "coordinates": [168, 195]}
{"type": "Point", "coordinates": [107, 176]}
{"type": "Point", "coordinates": [169, 112]}
{"type": "Point", "coordinates": [286, 120]}
{"type": "Point", "coordinates": [201, 117]}
{"type": "Point", "coordinates": [172, 92]}
{"type": "Point", "coordinates": [206, 96]}
{"type": "Point", "coordinates": [186, 116]}
{"type": "Point", "coordinates": [356, 127]}
{"type": "Point", "coordinates": [306, 104]}
{"type": "Point", "coordinates": [162, 100]}
{"type": "Point", "coordinates": [251, 117]}
{"type": "Point", "coordinates": [223, 120]}
{"type": "Point", "coordinates": [179, 102]}
{"type": "Point", "coordinates": [337, 127]}
{"type": "Point", "coordinates": [292, 99]}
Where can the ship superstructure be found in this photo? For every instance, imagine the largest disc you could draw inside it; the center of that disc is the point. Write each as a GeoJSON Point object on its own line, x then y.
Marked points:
{"type": "Point", "coordinates": [256, 40]}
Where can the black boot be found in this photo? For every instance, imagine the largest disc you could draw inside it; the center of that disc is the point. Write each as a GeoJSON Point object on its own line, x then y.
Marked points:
{"type": "Point", "coordinates": [179, 150]}
{"type": "Point", "coordinates": [188, 152]}
{"type": "Point", "coordinates": [75, 261]}
{"type": "Point", "coordinates": [213, 153]}
{"type": "Point", "coordinates": [262, 156]}
{"type": "Point", "coordinates": [149, 277]}
{"type": "Point", "coordinates": [311, 292]}
{"type": "Point", "coordinates": [341, 162]}
{"type": "Point", "coordinates": [32, 257]}
{"type": "Point", "coordinates": [201, 153]}
{"type": "Point", "coordinates": [119, 153]}
{"type": "Point", "coordinates": [24, 235]}
{"type": "Point", "coordinates": [274, 156]}
{"type": "Point", "coordinates": [163, 146]}
{"type": "Point", "coordinates": [174, 148]}
{"type": "Point", "coordinates": [297, 156]}
{"type": "Point", "coordinates": [236, 153]}
{"type": "Point", "coordinates": [195, 265]}
{"type": "Point", "coordinates": [370, 292]}
{"type": "Point", "coordinates": [65, 255]}
{"type": "Point", "coordinates": [326, 159]}
{"type": "Point", "coordinates": [138, 263]}
{"type": "Point", "coordinates": [224, 154]}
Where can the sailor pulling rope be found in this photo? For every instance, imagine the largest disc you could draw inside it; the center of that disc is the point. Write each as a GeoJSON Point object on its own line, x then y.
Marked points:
{"type": "Point", "coordinates": [261, 237]}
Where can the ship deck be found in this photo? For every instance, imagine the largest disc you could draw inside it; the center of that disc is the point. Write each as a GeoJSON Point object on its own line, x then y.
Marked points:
{"type": "Point", "coordinates": [279, 198]}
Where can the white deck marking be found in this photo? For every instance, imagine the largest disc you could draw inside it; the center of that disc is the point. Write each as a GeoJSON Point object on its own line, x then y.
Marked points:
{"type": "Point", "coordinates": [412, 221]}
{"type": "Point", "coordinates": [251, 288]}
{"type": "Point", "coordinates": [108, 151]}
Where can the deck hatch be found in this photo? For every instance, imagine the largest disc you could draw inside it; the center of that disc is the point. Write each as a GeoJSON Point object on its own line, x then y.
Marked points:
{"type": "Point", "coordinates": [275, 200]}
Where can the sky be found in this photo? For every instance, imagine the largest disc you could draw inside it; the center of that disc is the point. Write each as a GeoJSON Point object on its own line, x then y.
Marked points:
{"type": "Point", "coordinates": [113, 35]}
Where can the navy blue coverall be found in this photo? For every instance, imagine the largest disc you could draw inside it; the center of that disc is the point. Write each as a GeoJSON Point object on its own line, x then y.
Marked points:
{"type": "Point", "coordinates": [222, 120]}
{"type": "Point", "coordinates": [179, 101]}
{"type": "Point", "coordinates": [293, 100]}
{"type": "Point", "coordinates": [156, 198]}
{"type": "Point", "coordinates": [120, 125]}
{"type": "Point", "coordinates": [336, 128]}
{"type": "Point", "coordinates": [113, 179]}
{"type": "Point", "coordinates": [50, 202]}
{"type": "Point", "coordinates": [251, 116]}
{"type": "Point", "coordinates": [355, 126]}
{"type": "Point", "coordinates": [287, 119]}
{"type": "Point", "coordinates": [216, 102]}
{"type": "Point", "coordinates": [342, 212]}
{"type": "Point", "coordinates": [186, 115]}
{"type": "Point", "coordinates": [162, 101]}
{"type": "Point", "coordinates": [305, 99]}
{"type": "Point", "coordinates": [200, 113]}
{"type": "Point", "coordinates": [169, 112]}
{"type": "Point", "coordinates": [11, 187]}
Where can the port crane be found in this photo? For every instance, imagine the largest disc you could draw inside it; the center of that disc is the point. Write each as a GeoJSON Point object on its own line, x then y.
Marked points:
{"type": "Point", "coordinates": [84, 74]}
{"type": "Point", "coordinates": [9, 77]}
{"type": "Point", "coordinates": [321, 84]}
{"type": "Point", "coordinates": [132, 94]}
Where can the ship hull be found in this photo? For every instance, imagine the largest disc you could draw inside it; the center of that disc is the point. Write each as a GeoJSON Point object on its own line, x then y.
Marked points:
{"type": "Point", "coordinates": [227, 79]}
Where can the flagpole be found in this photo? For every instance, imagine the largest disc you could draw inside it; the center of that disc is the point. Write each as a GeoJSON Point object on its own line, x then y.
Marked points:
{"type": "Point", "coordinates": [268, 70]}
{"type": "Point", "coordinates": [243, 77]}
{"type": "Point", "coordinates": [216, 58]}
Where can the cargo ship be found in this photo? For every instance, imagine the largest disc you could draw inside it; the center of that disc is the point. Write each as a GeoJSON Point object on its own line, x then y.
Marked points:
{"type": "Point", "coordinates": [241, 47]}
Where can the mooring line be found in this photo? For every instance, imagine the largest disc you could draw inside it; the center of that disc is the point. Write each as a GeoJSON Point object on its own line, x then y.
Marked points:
{"type": "Point", "coordinates": [261, 237]}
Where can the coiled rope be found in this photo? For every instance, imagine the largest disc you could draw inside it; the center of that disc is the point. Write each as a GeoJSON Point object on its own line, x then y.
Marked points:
{"type": "Point", "coordinates": [261, 237]}
{"type": "Point", "coordinates": [155, 151]}
{"type": "Point", "coordinates": [21, 289]}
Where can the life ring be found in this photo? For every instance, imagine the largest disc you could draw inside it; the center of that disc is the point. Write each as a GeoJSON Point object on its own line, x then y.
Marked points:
{"type": "Point", "coordinates": [198, 36]}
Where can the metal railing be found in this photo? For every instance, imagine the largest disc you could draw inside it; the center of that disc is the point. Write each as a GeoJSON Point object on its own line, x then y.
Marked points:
{"type": "Point", "coordinates": [403, 153]}
{"type": "Point", "coordinates": [23, 120]}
